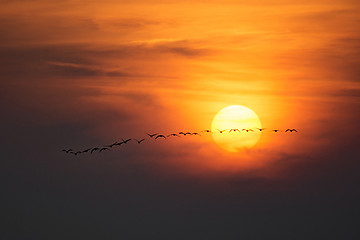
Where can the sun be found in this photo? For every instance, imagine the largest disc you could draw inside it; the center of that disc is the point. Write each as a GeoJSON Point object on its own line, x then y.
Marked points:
{"type": "Point", "coordinates": [229, 128]}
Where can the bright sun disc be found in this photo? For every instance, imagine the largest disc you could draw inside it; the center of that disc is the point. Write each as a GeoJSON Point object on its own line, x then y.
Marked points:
{"type": "Point", "coordinates": [236, 117]}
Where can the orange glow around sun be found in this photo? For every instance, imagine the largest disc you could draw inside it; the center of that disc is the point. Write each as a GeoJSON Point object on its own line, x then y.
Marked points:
{"type": "Point", "coordinates": [171, 66]}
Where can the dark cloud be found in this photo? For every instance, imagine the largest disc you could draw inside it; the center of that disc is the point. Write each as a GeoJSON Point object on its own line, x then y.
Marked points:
{"type": "Point", "coordinates": [183, 48]}
{"type": "Point", "coordinates": [77, 70]}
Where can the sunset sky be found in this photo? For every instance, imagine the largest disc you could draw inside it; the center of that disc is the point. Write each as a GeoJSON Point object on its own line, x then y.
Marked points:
{"type": "Point", "coordinates": [79, 74]}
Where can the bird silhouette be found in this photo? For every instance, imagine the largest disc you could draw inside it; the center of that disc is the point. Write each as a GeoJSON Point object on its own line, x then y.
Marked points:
{"type": "Point", "coordinates": [85, 151]}
{"type": "Point", "coordinates": [247, 130]}
{"type": "Point", "coordinates": [76, 153]}
{"type": "Point", "coordinates": [234, 130]}
{"type": "Point", "coordinates": [126, 141]}
{"type": "Point", "coordinates": [182, 133]}
{"type": "Point", "coordinates": [139, 141]}
{"type": "Point", "coordinates": [119, 143]}
{"type": "Point", "coordinates": [94, 149]}
{"type": "Point", "coordinates": [111, 145]}
{"type": "Point", "coordinates": [160, 136]}
{"type": "Point", "coordinates": [208, 131]}
{"type": "Point", "coordinates": [276, 130]}
{"type": "Point", "coordinates": [221, 131]}
{"type": "Point", "coordinates": [67, 150]}
{"type": "Point", "coordinates": [261, 129]}
{"type": "Point", "coordinates": [291, 130]}
{"type": "Point", "coordinates": [173, 134]}
{"type": "Point", "coordinates": [152, 135]}
{"type": "Point", "coordinates": [103, 149]}
{"type": "Point", "coordinates": [195, 133]}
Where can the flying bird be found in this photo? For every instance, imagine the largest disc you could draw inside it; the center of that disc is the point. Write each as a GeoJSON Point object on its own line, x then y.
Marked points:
{"type": "Point", "coordinates": [234, 129]}
{"type": "Point", "coordinates": [104, 148]}
{"type": "Point", "coordinates": [126, 141]}
{"type": "Point", "coordinates": [173, 134]}
{"type": "Point", "coordinates": [195, 133]}
{"type": "Point", "coordinates": [291, 130]}
{"type": "Point", "coordinates": [139, 141]}
{"type": "Point", "coordinates": [119, 143]}
{"type": "Point", "coordinates": [76, 153]}
{"type": "Point", "coordinates": [208, 131]}
{"type": "Point", "coordinates": [111, 145]}
{"type": "Point", "coordinates": [85, 151]}
{"type": "Point", "coordinates": [221, 131]}
{"type": "Point", "coordinates": [68, 150]}
{"type": "Point", "coordinates": [94, 149]}
{"type": "Point", "coordinates": [261, 129]}
{"type": "Point", "coordinates": [247, 130]}
{"type": "Point", "coordinates": [182, 133]}
{"type": "Point", "coordinates": [159, 136]}
{"type": "Point", "coordinates": [276, 130]}
{"type": "Point", "coordinates": [152, 135]}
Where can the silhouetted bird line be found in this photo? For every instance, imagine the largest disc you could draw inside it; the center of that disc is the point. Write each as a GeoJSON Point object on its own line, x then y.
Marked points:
{"type": "Point", "coordinates": [139, 141]}
{"type": "Point", "coordinates": [160, 136]}
{"type": "Point", "coordinates": [156, 136]}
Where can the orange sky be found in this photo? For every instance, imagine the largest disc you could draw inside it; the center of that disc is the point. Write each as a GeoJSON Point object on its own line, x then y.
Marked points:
{"type": "Point", "coordinates": [121, 68]}
{"type": "Point", "coordinates": [81, 74]}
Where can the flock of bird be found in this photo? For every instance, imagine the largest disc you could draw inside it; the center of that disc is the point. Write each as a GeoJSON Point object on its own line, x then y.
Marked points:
{"type": "Point", "coordinates": [158, 136]}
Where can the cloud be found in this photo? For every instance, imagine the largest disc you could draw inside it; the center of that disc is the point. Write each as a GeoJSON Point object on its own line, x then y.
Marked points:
{"type": "Point", "coordinates": [82, 70]}
{"type": "Point", "coordinates": [129, 60]}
